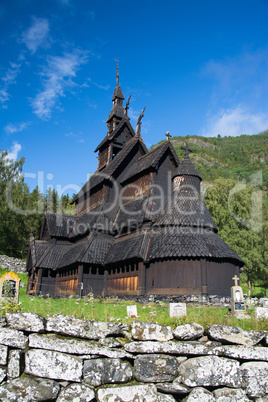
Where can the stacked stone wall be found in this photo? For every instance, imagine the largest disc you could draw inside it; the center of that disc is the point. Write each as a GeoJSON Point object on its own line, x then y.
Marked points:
{"type": "Point", "coordinates": [63, 358]}
{"type": "Point", "coordinates": [12, 264]}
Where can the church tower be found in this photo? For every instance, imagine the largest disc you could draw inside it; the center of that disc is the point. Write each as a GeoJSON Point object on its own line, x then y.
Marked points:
{"type": "Point", "coordinates": [119, 128]}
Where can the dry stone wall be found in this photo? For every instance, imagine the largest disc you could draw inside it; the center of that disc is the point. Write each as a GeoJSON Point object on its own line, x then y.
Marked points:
{"type": "Point", "coordinates": [63, 358]}
{"type": "Point", "coordinates": [12, 264]}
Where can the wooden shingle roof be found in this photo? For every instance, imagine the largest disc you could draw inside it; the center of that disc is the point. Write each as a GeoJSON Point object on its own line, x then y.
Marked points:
{"type": "Point", "coordinates": [187, 168]}
{"type": "Point", "coordinates": [149, 161]}
{"type": "Point", "coordinates": [60, 225]}
{"type": "Point", "coordinates": [175, 242]}
{"type": "Point", "coordinates": [186, 208]}
{"type": "Point", "coordinates": [110, 136]}
{"type": "Point", "coordinates": [108, 171]}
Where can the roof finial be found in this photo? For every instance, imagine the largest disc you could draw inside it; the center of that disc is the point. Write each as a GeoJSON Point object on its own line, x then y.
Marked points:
{"type": "Point", "coordinates": [168, 135]}
{"type": "Point", "coordinates": [138, 127]}
{"type": "Point", "coordinates": [187, 149]}
{"type": "Point", "coordinates": [117, 71]}
{"type": "Point", "coordinates": [127, 106]}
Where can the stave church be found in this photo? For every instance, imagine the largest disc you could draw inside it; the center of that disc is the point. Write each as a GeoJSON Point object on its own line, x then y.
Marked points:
{"type": "Point", "coordinates": [140, 226]}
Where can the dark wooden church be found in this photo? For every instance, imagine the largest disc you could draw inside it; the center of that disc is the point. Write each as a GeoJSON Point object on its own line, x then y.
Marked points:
{"type": "Point", "coordinates": [140, 226]}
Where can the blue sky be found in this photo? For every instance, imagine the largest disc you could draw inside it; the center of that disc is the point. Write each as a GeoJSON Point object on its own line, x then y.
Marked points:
{"type": "Point", "coordinates": [200, 67]}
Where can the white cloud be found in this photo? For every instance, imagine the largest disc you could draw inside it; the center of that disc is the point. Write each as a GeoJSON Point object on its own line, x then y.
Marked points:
{"type": "Point", "coordinates": [8, 79]}
{"type": "Point", "coordinates": [234, 122]}
{"type": "Point", "coordinates": [105, 87]}
{"type": "Point", "coordinates": [36, 35]}
{"type": "Point", "coordinates": [13, 153]}
{"type": "Point", "coordinates": [58, 74]}
{"type": "Point", "coordinates": [75, 137]}
{"type": "Point", "coordinates": [15, 128]}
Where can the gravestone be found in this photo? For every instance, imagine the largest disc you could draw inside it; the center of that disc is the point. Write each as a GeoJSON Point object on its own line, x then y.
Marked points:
{"type": "Point", "coordinates": [237, 298]}
{"type": "Point", "coordinates": [264, 301]}
{"type": "Point", "coordinates": [261, 312]}
{"type": "Point", "coordinates": [132, 311]}
{"type": "Point", "coordinates": [177, 310]}
{"type": "Point", "coordinates": [9, 287]}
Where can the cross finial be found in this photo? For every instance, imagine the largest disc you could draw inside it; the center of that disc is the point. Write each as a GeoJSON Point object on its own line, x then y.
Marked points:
{"type": "Point", "coordinates": [168, 135]}
{"type": "Point", "coordinates": [187, 149]}
{"type": "Point", "coordinates": [236, 279]}
{"type": "Point", "coordinates": [117, 71]}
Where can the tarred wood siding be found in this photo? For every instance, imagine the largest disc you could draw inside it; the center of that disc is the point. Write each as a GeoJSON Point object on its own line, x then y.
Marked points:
{"type": "Point", "coordinates": [95, 199]}
{"type": "Point", "coordinates": [174, 277]}
{"type": "Point", "coordinates": [103, 156]}
{"type": "Point", "coordinates": [140, 186]}
{"type": "Point", "coordinates": [123, 283]}
{"type": "Point", "coordinates": [219, 277]}
{"type": "Point", "coordinates": [93, 283]}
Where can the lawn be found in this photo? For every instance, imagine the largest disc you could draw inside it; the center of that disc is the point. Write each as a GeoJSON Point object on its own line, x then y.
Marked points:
{"type": "Point", "coordinates": [113, 309]}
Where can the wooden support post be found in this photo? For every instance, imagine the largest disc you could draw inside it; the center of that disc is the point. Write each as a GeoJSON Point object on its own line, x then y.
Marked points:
{"type": "Point", "coordinates": [39, 281]}
{"type": "Point", "coordinates": [80, 280]}
{"type": "Point", "coordinates": [204, 283]}
{"type": "Point", "coordinates": [142, 279]}
{"type": "Point", "coordinates": [105, 282]}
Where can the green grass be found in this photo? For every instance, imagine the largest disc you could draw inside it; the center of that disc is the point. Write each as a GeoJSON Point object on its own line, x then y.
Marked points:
{"type": "Point", "coordinates": [112, 309]}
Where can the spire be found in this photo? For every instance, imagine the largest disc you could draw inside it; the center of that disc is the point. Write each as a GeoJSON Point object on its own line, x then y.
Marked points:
{"type": "Point", "coordinates": [117, 112]}
{"type": "Point", "coordinates": [186, 167]}
{"type": "Point", "coordinates": [117, 74]}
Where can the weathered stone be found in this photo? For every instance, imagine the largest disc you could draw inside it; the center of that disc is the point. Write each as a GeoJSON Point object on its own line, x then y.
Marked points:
{"type": "Point", "coordinates": [174, 387]}
{"type": "Point", "coordinates": [210, 371]}
{"type": "Point", "coordinates": [14, 338]}
{"type": "Point", "coordinates": [74, 346]}
{"type": "Point", "coordinates": [3, 374]}
{"type": "Point", "coordinates": [55, 365]}
{"type": "Point", "coordinates": [266, 340]}
{"type": "Point", "coordinates": [164, 398]}
{"type": "Point", "coordinates": [76, 392]}
{"type": "Point", "coordinates": [3, 321]}
{"type": "Point", "coordinates": [200, 394]}
{"type": "Point", "coordinates": [110, 343]}
{"type": "Point", "coordinates": [134, 393]}
{"type": "Point", "coordinates": [28, 389]}
{"type": "Point", "coordinates": [156, 368]}
{"type": "Point", "coordinates": [230, 395]}
{"type": "Point", "coordinates": [14, 367]}
{"type": "Point", "coordinates": [241, 352]}
{"type": "Point", "coordinates": [3, 355]}
{"type": "Point", "coordinates": [145, 331]}
{"type": "Point", "coordinates": [171, 347]}
{"type": "Point", "coordinates": [261, 312]}
{"type": "Point", "coordinates": [30, 322]}
{"type": "Point", "coordinates": [255, 378]}
{"type": "Point", "coordinates": [12, 264]}
{"type": "Point", "coordinates": [188, 332]}
{"type": "Point", "coordinates": [234, 335]}
{"type": "Point", "coordinates": [106, 371]}
{"type": "Point", "coordinates": [67, 325]}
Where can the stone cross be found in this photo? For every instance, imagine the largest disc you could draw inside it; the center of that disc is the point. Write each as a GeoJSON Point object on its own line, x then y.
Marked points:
{"type": "Point", "coordinates": [187, 149]}
{"type": "Point", "coordinates": [236, 279]}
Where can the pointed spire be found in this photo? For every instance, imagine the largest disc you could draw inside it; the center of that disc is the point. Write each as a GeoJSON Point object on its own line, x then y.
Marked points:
{"type": "Point", "coordinates": [117, 74]}
{"type": "Point", "coordinates": [186, 167]}
{"type": "Point", "coordinates": [138, 127]}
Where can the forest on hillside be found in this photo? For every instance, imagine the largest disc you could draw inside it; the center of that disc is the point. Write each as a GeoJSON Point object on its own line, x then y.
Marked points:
{"type": "Point", "coordinates": [235, 177]}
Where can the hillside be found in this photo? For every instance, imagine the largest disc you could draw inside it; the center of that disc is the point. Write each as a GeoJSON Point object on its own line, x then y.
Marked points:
{"type": "Point", "coordinates": [228, 157]}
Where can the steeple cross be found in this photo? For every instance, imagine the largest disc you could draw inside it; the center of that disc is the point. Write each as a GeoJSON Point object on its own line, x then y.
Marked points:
{"type": "Point", "coordinates": [236, 279]}
{"type": "Point", "coordinates": [187, 149]}
{"type": "Point", "coordinates": [168, 135]}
